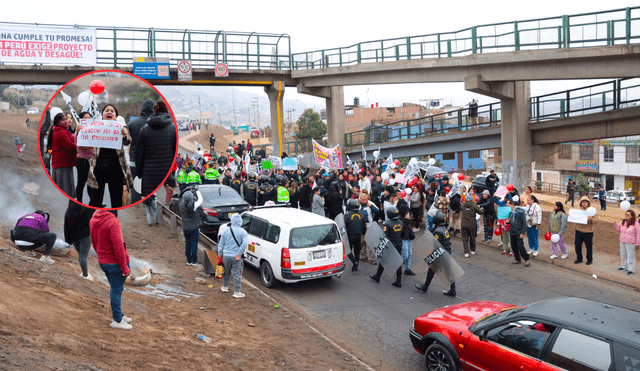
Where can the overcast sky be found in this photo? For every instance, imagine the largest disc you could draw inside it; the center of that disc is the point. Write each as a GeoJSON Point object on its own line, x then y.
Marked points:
{"type": "Point", "coordinates": [318, 25]}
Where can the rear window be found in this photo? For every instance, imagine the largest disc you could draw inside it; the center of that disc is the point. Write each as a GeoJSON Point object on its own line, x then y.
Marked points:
{"type": "Point", "coordinates": [220, 195]}
{"type": "Point", "coordinates": [317, 235]}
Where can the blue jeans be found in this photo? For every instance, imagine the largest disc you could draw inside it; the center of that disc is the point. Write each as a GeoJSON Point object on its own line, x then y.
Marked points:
{"type": "Point", "coordinates": [407, 248]}
{"type": "Point", "coordinates": [116, 281]}
{"type": "Point", "coordinates": [149, 208]}
{"type": "Point", "coordinates": [429, 222]}
{"type": "Point", "coordinates": [532, 236]}
{"type": "Point", "coordinates": [191, 245]}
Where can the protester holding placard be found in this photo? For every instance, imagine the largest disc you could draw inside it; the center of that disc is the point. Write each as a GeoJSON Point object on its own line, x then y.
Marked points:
{"type": "Point", "coordinates": [156, 148]}
{"type": "Point", "coordinates": [558, 225]}
{"type": "Point", "coordinates": [62, 145]}
{"type": "Point", "coordinates": [534, 219]}
{"type": "Point", "coordinates": [109, 166]}
{"type": "Point", "coordinates": [82, 165]}
{"type": "Point", "coordinates": [584, 233]}
{"type": "Point", "coordinates": [629, 229]}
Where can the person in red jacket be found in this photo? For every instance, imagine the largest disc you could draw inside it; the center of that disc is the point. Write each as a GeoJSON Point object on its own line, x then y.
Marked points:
{"type": "Point", "coordinates": [62, 145]}
{"type": "Point", "coordinates": [106, 237]}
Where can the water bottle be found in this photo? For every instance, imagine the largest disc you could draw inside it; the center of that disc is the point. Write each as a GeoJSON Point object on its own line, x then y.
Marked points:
{"type": "Point", "coordinates": [204, 338]}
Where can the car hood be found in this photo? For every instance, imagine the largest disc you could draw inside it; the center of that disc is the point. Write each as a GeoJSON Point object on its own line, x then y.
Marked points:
{"type": "Point", "coordinates": [465, 313]}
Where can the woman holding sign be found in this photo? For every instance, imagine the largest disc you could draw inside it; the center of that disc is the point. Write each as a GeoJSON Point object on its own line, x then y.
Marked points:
{"type": "Point", "coordinates": [62, 145]}
{"type": "Point", "coordinates": [109, 166]}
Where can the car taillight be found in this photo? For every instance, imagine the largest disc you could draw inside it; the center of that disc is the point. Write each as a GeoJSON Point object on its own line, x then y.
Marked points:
{"type": "Point", "coordinates": [286, 258]}
{"type": "Point", "coordinates": [210, 212]}
{"type": "Point", "coordinates": [344, 254]}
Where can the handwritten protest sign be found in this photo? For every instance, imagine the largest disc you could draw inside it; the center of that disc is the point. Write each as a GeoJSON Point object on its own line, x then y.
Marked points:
{"type": "Point", "coordinates": [501, 191]}
{"type": "Point", "coordinates": [100, 133]}
{"type": "Point", "coordinates": [400, 178]}
{"type": "Point", "coordinates": [578, 216]}
{"type": "Point", "coordinates": [290, 163]}
{"type": "Point", "coordinates": [503, 212]}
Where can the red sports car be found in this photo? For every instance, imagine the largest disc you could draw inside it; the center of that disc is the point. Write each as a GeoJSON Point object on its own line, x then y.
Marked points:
{"type": "Point", "coordinates": [556, 334]}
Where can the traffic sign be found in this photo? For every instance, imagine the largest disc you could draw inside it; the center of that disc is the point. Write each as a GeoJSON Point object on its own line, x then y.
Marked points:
{"type": "Point", "coordinates": [184, 71]}
{"type": "Point", "coordinates": [222, 70]}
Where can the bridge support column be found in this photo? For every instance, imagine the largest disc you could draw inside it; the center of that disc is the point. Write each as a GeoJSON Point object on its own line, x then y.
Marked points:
{"type": "Point", "coordinates": [275, 92]}
{"type": "Point", "coordinates": [517, 147]}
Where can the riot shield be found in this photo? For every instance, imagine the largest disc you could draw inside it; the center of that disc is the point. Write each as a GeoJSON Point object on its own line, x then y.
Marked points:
{"type": "Point", "coordinates": [425, 245]}
{"type": "Point", "coordinates": [383, 249]}
{"type": "Point", "coordinates": [444, 266]}
{"type": "Point", "coordinates": [343, 233]}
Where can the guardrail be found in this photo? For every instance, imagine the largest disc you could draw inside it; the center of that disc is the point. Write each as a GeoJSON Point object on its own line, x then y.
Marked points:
{"type": "Point", "coordinates": [607, 28]}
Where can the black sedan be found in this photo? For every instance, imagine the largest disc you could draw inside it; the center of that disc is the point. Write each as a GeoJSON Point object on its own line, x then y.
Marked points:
{"type": "Point", "coordinates": [220, 202]}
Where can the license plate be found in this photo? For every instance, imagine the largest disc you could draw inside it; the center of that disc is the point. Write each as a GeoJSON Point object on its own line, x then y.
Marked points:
{"type": "Point", "coordinates": [319, 254]}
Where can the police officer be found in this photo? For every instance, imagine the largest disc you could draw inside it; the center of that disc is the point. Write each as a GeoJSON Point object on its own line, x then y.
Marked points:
{"type": "Point", "coordinates": [393, 230]}
{"type": "Point", "coordinates": [282, 193]}
{"type": "Point", "coordinates": [250, 190]}
{"type": "Point", "coordinates": [237, 182]}
{"type": "Point", "coordinates": [265, 190]}
{"type": "Point", "coordinates": [193, 177]}
{"type": "Point", "coordinates": [356, 224]}
{"type": "Point", "coordinates": [441, 234]}
{"type": "Point", "coordinates": [182, 178]}
{"type": "Point", "coordinates": [211, 175]}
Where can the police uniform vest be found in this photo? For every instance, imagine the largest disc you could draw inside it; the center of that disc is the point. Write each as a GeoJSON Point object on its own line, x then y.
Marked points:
{"type": "Point", "coordinates": [442, 235]}
{"type": "Point", "coordinates": [263, 196]}
{"type": "Point", "coordinates": [355, 221]}
{"type": "Point", "coordinates": [250, 192]}
{"type": "Point", "coordinates": [236, 183]}
{"type": "Point", "coordinates": [194, 177]}
{"type": "Point", "coordinates": [211, 174]}
{"type": "Point", "coordinates": [182, 176]}
{"type": "Point", "coordinates": [270, 193]}
{"type": "Point", "coordinates": [283, 194]}
{"type": "Point", "coordinates": [393, 230]}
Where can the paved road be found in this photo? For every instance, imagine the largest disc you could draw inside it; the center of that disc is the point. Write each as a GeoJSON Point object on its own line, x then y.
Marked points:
{"type": "Point", "coordinates": [373, 319]}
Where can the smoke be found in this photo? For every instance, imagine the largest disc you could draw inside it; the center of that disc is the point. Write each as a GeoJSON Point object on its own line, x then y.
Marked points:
{"type": "Point", "coordinates": [14, 202]}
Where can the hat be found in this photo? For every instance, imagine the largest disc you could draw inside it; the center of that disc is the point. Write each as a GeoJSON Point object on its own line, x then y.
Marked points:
{"type": "Point", "coordinates": [486, 192]}
{"type": "Point", "coordinates": [468, 198]}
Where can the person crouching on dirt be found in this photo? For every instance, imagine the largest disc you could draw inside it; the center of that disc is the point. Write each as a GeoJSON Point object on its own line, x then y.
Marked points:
{"type": "Point", "coordinates": [106, 237]}
{"type": "Point", "coordinates": [231, 246]}
{"type": "Point", "coordinates": [34, 228]}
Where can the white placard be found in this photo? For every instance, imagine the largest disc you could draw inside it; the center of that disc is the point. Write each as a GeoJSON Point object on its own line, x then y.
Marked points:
{"type": "Point", "coordinates": [578, 216]}
{"type": "Point", "coordinates": [100, 133]}
{"type": "Point", "coordinates": [52, 45]}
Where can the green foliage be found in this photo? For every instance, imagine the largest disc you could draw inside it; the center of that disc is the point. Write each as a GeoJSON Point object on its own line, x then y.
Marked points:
{"type": "Point", "coordinates": [438, 163]}
{"type": "Point", "coordinates": [12, 100]}
{"type": "Point", "coordinates": [539, 184]}
{"type": "Point", "coordinates": [310, 125]}
{"type": "Point", "coordinates": [582, 185]}
{"type": "Point", "coordinates": [471, 168]}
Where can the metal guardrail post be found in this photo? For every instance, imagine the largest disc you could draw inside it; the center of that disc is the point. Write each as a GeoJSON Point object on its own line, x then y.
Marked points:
{"type": "Point", "coordinates": [408, 129]}
{"type": "Point", "coordinates": [474, 40]}
{"type": "Point", "coordinates": [459, 120]}
{"type": "Point", "coordinates": [559, 37]}
{"type": "Point", "coordinates": [359, 53]}
{"type": "Point", "coordinates": [382, 49]}
{"type": "Point", "coordinates": [568, 103]}
{"type": "Point", "coordinates": [562, 108]}
{"type": "Point", "coordinates": [340, 54]}
{"type": "Point", "coordinates": [439, 51]}
{"type": "Point", "coordinates": [617, 94]}
{"type": "Point", "coordinates": [490, 114]}
{"type": "Point", "coordinates": [628, 23]}
{"type": "Point", "coordinates": [604, 100]}
{"type": "Point", "coordinates": [566, 30]}
{"type": "Point", "coordinates": [397, 53]}
{"type": "Point", "coordinates": [449, 48]}
{"type": "Point", "coordinates": [408, 48]}
{"type": "Point", "coordinates": [610, 34]}
{"type": "Point", "coordinates": [115, 47]}
{"type": "Point", "coordinates": [516, 35]}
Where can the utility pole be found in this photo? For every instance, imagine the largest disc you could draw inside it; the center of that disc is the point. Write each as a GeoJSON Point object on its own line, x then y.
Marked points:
{"type": "Point", "coordinates": [249, 112]}
{"type": "Point", "coordinates": [200, 108]}
{"type": "Point", "coordinates": [233, 105]}
{"type": "Point", "coordinates": [255, 103]}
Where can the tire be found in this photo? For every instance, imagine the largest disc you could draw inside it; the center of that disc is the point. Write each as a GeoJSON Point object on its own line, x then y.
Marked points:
{"type": "Point", "coordinates": [266, 273]}
{"type": "Point", "coordinates": [438, 358]}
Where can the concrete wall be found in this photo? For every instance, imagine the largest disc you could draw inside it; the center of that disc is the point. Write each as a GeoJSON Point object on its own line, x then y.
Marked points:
{"type": "Point", "coordinates": [619, 166]}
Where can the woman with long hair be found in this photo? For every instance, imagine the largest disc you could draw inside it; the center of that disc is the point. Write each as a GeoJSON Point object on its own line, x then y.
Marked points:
{"type": "Point", "coordinates": [534, 214]}
{"type": "Point", "coordinates": [82, 165]}
{"type": "Point", "coordinates": [108, 166]}
{"type": "Point", "coordinates": [317, 202]}
{"type": "Point", "coordinates": [294, 194]}
{"type": "Point", "coordinates": [62, 145]}
{"type": "Point", "coordinates": [558, 225]}
{"type": "Point", "coordinates": [629, 229]}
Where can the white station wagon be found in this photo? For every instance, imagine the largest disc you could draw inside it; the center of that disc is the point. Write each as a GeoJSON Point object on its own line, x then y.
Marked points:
{"type": "Point", "coordinates": [291, 245]}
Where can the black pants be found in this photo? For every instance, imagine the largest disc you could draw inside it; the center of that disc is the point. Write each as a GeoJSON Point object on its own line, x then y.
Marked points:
{"type": "Point", "coordinates": [417, 218]}
{"type": "Point", "coordinates": [518, 247]}
{"type": "Point", "coordinates": [587, 238]}
{"type": "Point", "coordinates": [489, 221]}
{"type": "Point", "coordinates": [38, 238]}
{"type": "Point", "coordinates": [398, 272]}
{"type": "Point", "coordinates": [82, 165]}
{"type": "Point", "coordinates": [112, 176]}
{"type": "Point", "coordinates": [356, 246]}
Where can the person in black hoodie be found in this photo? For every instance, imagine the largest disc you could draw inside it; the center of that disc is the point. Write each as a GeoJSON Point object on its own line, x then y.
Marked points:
{"type": "Point", "coordinates": [134, 130]}
{"type": "Point", "coordinates": [305, 195]}
{"type": "Point", "coordinates": [333, 202]}
{"type": "Point", "coordinates": [486, 203]}
{"type": "Point", "coordinates": [156, 148]}
{"type": "Point", "coordinates": [77, 232]}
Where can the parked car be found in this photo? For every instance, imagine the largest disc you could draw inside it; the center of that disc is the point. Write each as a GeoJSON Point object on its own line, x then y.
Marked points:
{"type": "Point", "coordinates": [615, 196]}
{"type": "Point", "coordinates": [33, 111]}
{"type": "Point", "coordinates": [435, 171]}
{"type": "Point", "coordinates": [479, 182]}
{"type": "Point", "coordinates": [291, 245]}
{"type": "Point", "coordinates": [555, 334]}
{"type": "Point", "coordinates": [220, 202]}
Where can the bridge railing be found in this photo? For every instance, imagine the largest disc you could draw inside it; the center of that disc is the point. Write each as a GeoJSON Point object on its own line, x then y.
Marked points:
{"type": "Point", "coordinates": [607, 28]}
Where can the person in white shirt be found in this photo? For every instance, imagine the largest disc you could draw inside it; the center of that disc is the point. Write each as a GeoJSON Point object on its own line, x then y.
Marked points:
{"type": "Point", "coordinates": [534, 213]}
{"type": "Point", "coordinates": [364, 182]}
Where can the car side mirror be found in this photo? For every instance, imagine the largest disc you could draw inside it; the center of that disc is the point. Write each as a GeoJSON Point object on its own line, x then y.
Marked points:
{"type": "Point", "coordinates": [482, 335]}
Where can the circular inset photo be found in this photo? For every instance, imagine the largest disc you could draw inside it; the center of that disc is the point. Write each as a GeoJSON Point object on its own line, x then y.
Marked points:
{"type": "Point", "coordinates": [108, 139]}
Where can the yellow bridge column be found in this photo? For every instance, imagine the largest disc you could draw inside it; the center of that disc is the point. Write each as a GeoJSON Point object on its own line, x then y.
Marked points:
{"type": "Point", "coordinates": [276, 96]}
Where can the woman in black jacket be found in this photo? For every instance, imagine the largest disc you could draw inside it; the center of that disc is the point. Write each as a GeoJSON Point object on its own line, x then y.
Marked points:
{"type": "Point", "coordinates": [77, 232]}
{"type": "Point", "coordinates": [333, 202]}
{"type": "Point", "coordinates": [156, 148]}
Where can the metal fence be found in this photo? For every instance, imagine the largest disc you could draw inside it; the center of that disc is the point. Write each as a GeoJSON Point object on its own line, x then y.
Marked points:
{"type": "Point", "coordinates": [613, 27]}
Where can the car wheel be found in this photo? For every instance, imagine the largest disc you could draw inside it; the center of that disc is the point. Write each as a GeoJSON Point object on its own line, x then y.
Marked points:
{"type": "Point", "coordinates": [268, 279]}
{"type": "Point", "coordinates": [439, 358]}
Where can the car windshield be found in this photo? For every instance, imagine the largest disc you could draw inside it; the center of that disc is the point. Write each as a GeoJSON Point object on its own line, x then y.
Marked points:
{"type": "Point", "coordinates": [220, 195]}
{"type": "Point", "coordinates": [317, 235]}
{"type": "Point", "coordinates": [497, 316]}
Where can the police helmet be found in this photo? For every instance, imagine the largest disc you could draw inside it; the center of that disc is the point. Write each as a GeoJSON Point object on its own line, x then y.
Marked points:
{"type": "Point", "coordinates": [439, 218]}
{"type": "Point", "coordinates": [354, 204]}
{"type": "Point", "coordinates": [279, 179]}
{"type": "Point", "coordinates": [264, 179]}
{"type": "Point", "coordinates": [237, 175]}
{"type": "Point", "coordinates": [272, 180]}
{"type": "Point", "coordinates": [252, 176]}
{"type": "Point", "coordinates": [392, 212]}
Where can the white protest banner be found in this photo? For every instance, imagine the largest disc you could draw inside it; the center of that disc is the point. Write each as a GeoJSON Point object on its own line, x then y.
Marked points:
{"type": "Point", "coordinates": [100, 133]}
{"type": "Point", "coordinates": [276, 162]}
{"type": "Point", "coordinates": [67, 100]}
{"type": "Point", "coordinates": [326, 165]}
{"type": "Point", "coordinates": [411, 170]}
{"type": "Point", "coordinates": [400, 178]}
{"type": "Point", "coordinates": [364, 154]}
{"type": "Point", "coordinates": [578, 216]}
{"type": "Point", "coordinates": [52, 45]}
{"type": "Point", "coordinates": [424, 165]}
{"type": "Point", "coordinates": [501, 191]}
{"type": "Point", "coordinates": [290, 164]}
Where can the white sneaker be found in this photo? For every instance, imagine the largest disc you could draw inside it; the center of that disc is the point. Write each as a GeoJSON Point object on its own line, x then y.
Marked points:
{"type": "Point", "coordinates": [88, 277]}
{"type": "Point", "coordinates": [529, 252]}
{"type": "Point", "coordinates": [466, 255]}
{"type": "Point", "coordinates": [564, 256]}
{"type": "Point", "coordinates": [553, 256]}
{"type": "Point", "coordinates": [122, 325]}
{"type": "Point", "coordinates": [47, 259]}
{"type": "Point", "coordinates": [127, 319]}
{"type": "Point", "coordinates": [238, 295]}
{"type": "Point", "coordinates": [500, 244]}
{"type": "Point", "coordinates": [535, 253]}
{"type": "Point", "coordinates": [224, 289]}
{"type": "Point", "coordinates": [473, 253]}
